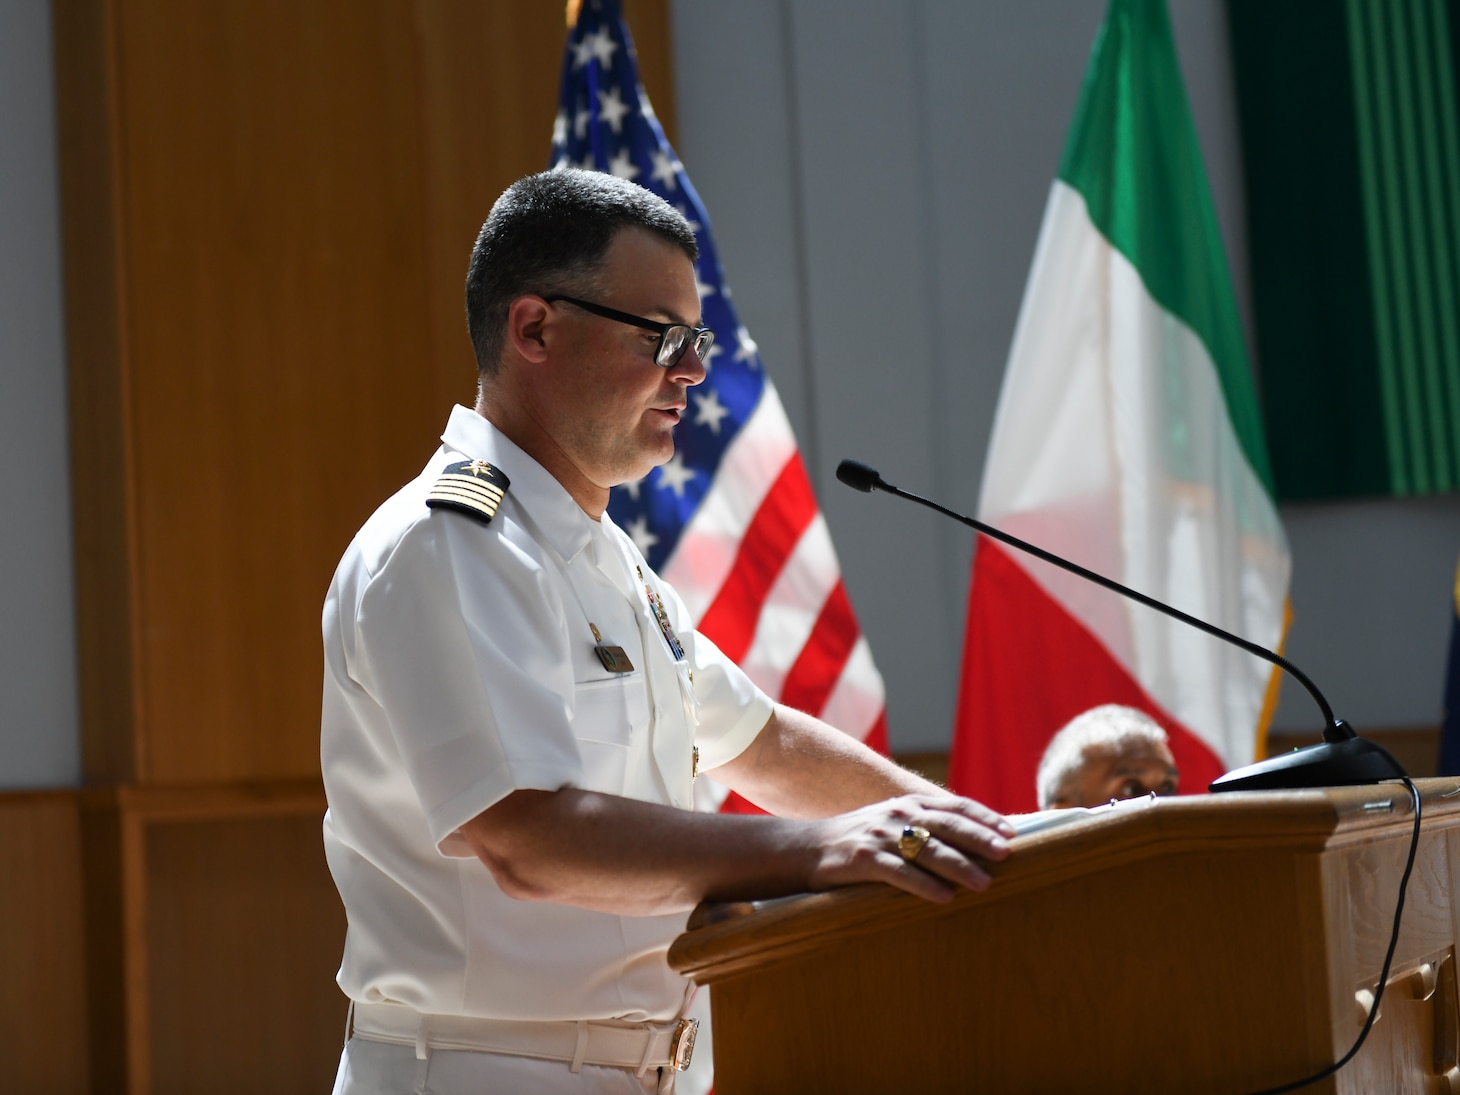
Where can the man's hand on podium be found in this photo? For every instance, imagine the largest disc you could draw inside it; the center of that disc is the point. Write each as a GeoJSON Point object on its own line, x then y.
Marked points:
{"type": "Point", "coordinates": [928, 845]}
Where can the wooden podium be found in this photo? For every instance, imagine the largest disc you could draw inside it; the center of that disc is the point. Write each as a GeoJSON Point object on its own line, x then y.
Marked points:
{"type": "Point", "coordinates": [1222, 943]}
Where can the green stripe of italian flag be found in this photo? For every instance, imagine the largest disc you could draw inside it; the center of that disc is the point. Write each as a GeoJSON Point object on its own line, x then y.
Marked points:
{"type": "Point", "coordinates": [1128, 439]}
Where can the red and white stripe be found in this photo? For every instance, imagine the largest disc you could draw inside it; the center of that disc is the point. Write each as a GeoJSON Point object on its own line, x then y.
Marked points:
{"type": "Point", "coordinates": [756, 567]}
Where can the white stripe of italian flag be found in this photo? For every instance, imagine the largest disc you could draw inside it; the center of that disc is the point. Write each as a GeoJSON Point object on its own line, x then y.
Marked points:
{"type": "Point", "coordinates": [1127, 439]}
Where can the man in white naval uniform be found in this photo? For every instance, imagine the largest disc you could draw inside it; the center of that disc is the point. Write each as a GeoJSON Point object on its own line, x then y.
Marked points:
{"type": "Point", "coordinates": [516, 707]}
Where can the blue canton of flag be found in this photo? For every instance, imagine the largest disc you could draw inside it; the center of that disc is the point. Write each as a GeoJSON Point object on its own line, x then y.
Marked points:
{"type": "Point", "coordinates": [606, 123]}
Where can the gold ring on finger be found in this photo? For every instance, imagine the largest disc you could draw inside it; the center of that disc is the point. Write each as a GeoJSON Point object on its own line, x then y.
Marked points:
{"type": "Point", "coordinates": [912, 842]}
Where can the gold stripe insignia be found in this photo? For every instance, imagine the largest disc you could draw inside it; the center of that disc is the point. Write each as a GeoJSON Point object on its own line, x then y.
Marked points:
{"type": "Point", "coordinates": [472, 487]}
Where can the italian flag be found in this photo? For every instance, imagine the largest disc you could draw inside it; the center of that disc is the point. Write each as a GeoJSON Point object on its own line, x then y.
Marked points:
{"type": "Point", "coordinates": [1128, 440]}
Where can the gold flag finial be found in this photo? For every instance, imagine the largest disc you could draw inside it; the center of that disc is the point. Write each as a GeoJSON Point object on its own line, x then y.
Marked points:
{"type": "Point", "coordinates": [572, 12]}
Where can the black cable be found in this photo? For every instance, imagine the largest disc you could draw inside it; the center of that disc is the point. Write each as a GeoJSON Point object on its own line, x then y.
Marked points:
{"type": "Point", "coordinates": [1383, 974]}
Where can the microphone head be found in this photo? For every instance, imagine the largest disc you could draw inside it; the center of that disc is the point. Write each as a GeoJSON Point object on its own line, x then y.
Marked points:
{"type": "Point", "coordinates": [856, 474]}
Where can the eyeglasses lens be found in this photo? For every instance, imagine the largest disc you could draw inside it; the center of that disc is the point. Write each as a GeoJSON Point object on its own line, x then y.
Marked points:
{"type": "Point", "coordinates": [671, 346]}
{"type": "Point", "coordinates": [677, 338]}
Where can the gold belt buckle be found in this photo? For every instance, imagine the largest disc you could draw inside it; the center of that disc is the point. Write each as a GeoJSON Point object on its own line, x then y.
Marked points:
{"type": "Point", "coordinates": [682, 1046]}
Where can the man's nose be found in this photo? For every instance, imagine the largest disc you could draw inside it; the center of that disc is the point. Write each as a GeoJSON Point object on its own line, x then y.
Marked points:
{"type": "Point", "coordinates": [689, 369]}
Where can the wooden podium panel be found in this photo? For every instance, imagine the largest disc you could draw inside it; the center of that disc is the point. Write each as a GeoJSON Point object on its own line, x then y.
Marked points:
{"type": "Point", "coordinates": [1217, 943]}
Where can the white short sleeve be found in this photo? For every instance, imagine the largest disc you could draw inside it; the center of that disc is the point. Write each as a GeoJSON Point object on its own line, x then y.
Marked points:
{"type": "Point", "coordinates": [461, 644]}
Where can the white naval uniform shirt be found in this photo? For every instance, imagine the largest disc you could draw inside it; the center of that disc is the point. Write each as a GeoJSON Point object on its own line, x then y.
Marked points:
{"type": "Point", "coordinates": [460, 667]}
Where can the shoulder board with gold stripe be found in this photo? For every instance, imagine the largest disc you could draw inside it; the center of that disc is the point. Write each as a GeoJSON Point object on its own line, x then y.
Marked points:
{"type": "Point", "coordinates": [472, 487]}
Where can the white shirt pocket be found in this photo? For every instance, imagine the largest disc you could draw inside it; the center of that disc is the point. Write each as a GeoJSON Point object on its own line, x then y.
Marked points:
{"type": "Point", "coordinates": [610, 721]}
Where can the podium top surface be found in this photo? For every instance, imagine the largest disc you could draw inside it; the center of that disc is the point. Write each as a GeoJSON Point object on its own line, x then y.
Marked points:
{"type": "Point", "coordinates": [725, 938]}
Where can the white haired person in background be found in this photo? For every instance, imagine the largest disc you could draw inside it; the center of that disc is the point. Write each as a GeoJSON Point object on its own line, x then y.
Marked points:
{"type": "Point", "coordinates": [1108, 752]}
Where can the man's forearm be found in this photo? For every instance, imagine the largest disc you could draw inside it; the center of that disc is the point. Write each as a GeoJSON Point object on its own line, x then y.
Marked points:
{"type": "Point", "coordinates": [634, 858]}
{"type": "Point", "coordinates": [620, 855]}
{"type": "Point", "coordinates": [799, 766]}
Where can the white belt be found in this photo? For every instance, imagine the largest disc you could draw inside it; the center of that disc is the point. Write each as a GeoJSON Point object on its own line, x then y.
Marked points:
{"type": "Point", "coordinates": [637, 1046]}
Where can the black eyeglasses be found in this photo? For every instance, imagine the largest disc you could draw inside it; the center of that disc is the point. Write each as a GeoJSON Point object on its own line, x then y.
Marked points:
{"type": "Point", "coordinates": [674, 338]}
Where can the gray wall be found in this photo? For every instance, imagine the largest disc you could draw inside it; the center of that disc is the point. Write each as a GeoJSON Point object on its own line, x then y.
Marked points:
{"type": "Point", "coordinates": [39, 742]}
{"type": "Point", "coordinates": [876, 171]}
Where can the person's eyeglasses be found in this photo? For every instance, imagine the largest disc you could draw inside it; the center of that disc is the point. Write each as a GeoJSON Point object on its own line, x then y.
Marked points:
{"type": "Point", "coordinates": [674, 338]}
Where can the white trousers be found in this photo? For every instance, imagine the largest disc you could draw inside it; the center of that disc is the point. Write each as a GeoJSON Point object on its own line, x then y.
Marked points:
{"type": "Point", "coordinates": [378, 1068]}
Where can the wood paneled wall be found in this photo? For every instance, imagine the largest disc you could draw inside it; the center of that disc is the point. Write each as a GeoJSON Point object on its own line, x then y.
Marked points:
{"type": "Point", "coordinates": [213, 934]}
{"type": "Point", "coordinates": [260, 883]}
{"type": "Point", "coordinates": [42, 944]}
{"type": "Point", "coordinates": [268, 207]}
{"type": "Point", "coordinates": [268, 212]}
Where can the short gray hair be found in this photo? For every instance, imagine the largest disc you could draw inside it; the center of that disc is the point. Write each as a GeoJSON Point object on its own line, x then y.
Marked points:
{"type": "Point", "coordinates": [1111, 727]}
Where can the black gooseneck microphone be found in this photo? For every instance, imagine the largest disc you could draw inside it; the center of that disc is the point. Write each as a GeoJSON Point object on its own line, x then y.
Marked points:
{"type": "Point", "coordinates": [1342, 759]}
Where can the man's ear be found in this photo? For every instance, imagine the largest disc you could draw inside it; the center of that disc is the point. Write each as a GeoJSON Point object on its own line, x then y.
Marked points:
{"type": "Point", "coordinates": [527, 321]}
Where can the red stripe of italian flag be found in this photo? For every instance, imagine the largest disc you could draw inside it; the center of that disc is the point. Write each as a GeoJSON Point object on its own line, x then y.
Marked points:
{"type": "Point", "coordinates": [1128, 439]}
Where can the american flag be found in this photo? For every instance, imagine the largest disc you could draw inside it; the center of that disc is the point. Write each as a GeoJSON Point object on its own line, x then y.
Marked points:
{"type": "Point", "coordinates": [731, 521]}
